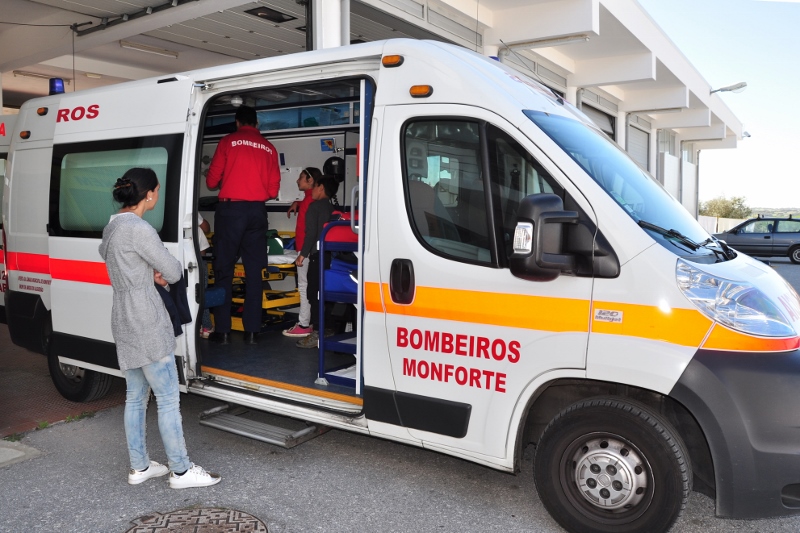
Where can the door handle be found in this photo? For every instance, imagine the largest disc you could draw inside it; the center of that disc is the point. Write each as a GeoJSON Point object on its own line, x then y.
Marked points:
{"type": "Point", "coordinates": [401, 281]}
{"type": "Point", "coordinates": [191, 267]}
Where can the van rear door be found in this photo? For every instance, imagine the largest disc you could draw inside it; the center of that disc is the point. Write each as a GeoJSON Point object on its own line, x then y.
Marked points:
{"type": "Point", "coordinates": [6, 129]}
{"type": "Point", "coordinates": [98, 136]}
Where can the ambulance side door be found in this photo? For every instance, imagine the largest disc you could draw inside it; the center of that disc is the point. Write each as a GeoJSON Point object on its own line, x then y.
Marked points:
{"type": "Point", "coordinates": [99, 136]}
{"type": "Point", "coordinates": [6, 128]}
{"type": "Point", "coordinates": [465, 336]}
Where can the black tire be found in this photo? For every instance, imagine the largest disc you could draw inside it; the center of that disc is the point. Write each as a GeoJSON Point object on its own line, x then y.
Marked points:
{"type": "Point", "coordinates": [608, 465]}
{"type": "Point", "coordinates": [73, 383]}
{"type": "Point", "coordinates": [78, 384]}
{"type": "Point", "coordinates": [794, 255]}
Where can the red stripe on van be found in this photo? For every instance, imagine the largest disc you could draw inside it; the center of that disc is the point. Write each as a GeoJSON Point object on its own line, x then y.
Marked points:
{"type": "Point", "coordinates": [82, 271]}
{"type": "Point", "coordinates": [64, 269]}
{"type": "Point", "coordinates": [38, 263]}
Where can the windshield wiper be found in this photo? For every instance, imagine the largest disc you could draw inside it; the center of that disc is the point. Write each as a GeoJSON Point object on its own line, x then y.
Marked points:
{"type": "Point", "coordinates": [675, 234]}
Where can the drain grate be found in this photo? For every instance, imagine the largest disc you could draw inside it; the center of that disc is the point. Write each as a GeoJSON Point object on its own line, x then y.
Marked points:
{"type": "Point", "coordinates": [199, 521]}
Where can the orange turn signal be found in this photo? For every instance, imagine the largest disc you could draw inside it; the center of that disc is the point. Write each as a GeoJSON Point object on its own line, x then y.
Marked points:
{"type": "Point", "coordinates": [420, 91]}
{"type": "Point", "coordinates": [25, 134]}
{"type": "Point", "coordinates": [42, 111]}
{"type": "Point", "coordinates": [392, 61]}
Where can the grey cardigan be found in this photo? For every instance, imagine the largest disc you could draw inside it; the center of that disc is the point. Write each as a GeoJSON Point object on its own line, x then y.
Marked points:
{"type": "Point", "coordinates": [140, 324]}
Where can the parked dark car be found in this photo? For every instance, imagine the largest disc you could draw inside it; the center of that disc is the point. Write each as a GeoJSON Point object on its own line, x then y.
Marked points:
{"type": "Point", "coordinates": [765, 237]}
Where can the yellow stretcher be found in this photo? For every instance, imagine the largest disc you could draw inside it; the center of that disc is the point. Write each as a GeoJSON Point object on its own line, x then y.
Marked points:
{"type": "Point", "coordinates": [274, 302]}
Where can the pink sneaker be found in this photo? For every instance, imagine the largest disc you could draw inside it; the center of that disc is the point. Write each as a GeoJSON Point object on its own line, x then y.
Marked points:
{"type": "Point", "coordinates": [298, 331]}
{"type": "Point", "coordinates": [205, 332]}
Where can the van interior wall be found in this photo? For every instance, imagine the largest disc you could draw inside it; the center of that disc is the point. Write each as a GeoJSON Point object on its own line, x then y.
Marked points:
{"type": "Point", "coordinates": [297, 153]}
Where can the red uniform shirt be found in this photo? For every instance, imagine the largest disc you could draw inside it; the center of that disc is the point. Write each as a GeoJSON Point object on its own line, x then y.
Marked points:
{"type": "Point", "coordinates": [247, 165]}
{"type": "Point", "coordinates": [300, 229]}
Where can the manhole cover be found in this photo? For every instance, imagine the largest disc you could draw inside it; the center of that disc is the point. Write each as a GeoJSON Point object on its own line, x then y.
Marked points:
{"type": "Point", "coordinates": [199, 521]}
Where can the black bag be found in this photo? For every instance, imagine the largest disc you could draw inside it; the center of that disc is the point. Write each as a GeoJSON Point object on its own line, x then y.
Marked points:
{"type": "Point", "coordinates": [176, 303]}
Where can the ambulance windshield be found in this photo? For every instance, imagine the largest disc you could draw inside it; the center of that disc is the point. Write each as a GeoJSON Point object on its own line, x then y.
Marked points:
{"type": "Point", "coordinates": [641, 196]}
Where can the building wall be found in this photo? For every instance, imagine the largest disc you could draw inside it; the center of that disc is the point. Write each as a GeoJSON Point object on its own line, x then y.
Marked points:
{"type": "Point", "coordinates": [689, 187]}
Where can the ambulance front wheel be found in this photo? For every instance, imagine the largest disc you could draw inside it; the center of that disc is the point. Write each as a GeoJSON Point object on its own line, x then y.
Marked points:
{"type": "Point", "coordinates": [608, 465]}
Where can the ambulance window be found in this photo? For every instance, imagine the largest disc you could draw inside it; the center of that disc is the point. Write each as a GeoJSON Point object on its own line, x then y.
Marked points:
{"type": "Point", "coordinates": [444, 184]}
{"type": "Point", "coordinates": [84, 176]}
{"type": "Point", "coordinates": [516, 175]}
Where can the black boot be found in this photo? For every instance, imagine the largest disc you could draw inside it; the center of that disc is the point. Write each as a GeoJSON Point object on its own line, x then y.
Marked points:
{"type": "Point", "coordinates": [220, 337]}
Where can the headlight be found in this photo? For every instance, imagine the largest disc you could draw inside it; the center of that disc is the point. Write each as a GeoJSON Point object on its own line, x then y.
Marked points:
{"type": "Point", "coordinates": [736, 304]}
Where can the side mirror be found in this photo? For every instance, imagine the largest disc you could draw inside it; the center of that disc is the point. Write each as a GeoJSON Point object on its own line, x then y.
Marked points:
{"type": "Point", "coordinates": [538, 238]}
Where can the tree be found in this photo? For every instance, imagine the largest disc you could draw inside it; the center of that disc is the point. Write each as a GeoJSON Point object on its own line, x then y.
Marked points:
{"type": "Point", "coordinates": [735, 207]}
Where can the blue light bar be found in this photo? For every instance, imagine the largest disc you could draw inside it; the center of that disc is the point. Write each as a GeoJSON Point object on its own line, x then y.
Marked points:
{"type": "Point", "coordinates": [56, 86]}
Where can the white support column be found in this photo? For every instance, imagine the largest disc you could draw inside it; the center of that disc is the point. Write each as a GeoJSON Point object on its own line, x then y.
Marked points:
{"type": "Point", "coordinates": [653, 156]}
{"type": "Point", "coordinates": [345, 17]}
{"type": "Point", "coordinates": [491, 50]}
{"type": "Point", "coordinates": [622, 128]}
{"type": "Point", "coordinates": [571, 94]}
{"type": "Point", "coordinates": [327, 23]}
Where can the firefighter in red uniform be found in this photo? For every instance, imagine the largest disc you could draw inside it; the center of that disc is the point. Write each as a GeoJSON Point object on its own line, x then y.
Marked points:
{"type": "Point", "coordinates": [245, 167]}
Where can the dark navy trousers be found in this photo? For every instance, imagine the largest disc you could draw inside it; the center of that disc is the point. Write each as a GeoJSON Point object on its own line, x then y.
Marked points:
{"type": "Point", "coordinates": [240, 230]}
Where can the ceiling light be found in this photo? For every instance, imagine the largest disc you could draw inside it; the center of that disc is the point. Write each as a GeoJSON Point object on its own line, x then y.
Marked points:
{"type": "Point", "coordinates": [149, 49]}
{"type": "Point", "coordinates": [93, 75]}
{"type": "Point", "coordinates": [236, 101]}
{"type": "Point", "coordinates": [555, 41]}
{"type": "Point", "coordinates": [735, 88]}
{"type": "Point", "coordinates": [26, 74]}
{"type": "Point", "coordinates": [270, 15]}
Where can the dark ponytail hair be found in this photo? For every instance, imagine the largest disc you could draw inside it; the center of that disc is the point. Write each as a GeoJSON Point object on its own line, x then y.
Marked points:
{"type": "Point", "coordinates": [134, 185]}
{"type": "Point", "coordinates": [313, 173]}
{"type": "Point", "coordinates": [331, 186]}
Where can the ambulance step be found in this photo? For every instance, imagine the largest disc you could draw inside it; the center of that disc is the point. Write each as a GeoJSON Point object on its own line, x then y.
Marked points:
{"type": "Point", "coordinates": [233, 422]}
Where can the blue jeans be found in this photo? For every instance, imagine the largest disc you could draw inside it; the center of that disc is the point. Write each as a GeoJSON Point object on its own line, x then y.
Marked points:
{"type": "Point", "coordinates": [162, 377]}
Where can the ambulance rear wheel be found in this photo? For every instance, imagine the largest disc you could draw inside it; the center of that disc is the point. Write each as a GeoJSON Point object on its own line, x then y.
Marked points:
{"type": "Point", "coordinates": [608, 465]}
{"type": "Point", "coordinates": [77, 384]}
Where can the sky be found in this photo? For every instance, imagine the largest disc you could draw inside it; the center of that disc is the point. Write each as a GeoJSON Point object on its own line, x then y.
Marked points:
{"type": "Point", "coordinates": [758, 42]}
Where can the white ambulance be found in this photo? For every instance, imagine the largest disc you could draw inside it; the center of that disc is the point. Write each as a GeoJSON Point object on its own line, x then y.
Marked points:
{"type": "Point", "coordinates": [6, 132]}
{"type": "Point", "coordinates": [519, 281]}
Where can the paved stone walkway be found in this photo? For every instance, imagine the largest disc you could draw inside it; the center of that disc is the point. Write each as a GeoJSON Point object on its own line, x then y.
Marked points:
{"type": "Point", "coordinates": [27, 394]}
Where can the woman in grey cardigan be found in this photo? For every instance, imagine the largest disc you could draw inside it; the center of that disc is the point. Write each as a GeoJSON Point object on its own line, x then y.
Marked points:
{"type": "Point", "coordinates": [135, 257]}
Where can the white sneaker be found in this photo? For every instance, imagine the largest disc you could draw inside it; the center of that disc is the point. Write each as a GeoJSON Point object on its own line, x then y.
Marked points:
{"type": "Point", "coordinates": [196, 476]}
{"type": "Point", "coordinates": [140, 476]}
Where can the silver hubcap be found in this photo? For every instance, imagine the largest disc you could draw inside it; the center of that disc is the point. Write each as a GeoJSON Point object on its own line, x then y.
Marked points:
{"type": "Point", "coordinates": [71, 372]}
{"type": "Point", "coordinates": [610, 474]}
